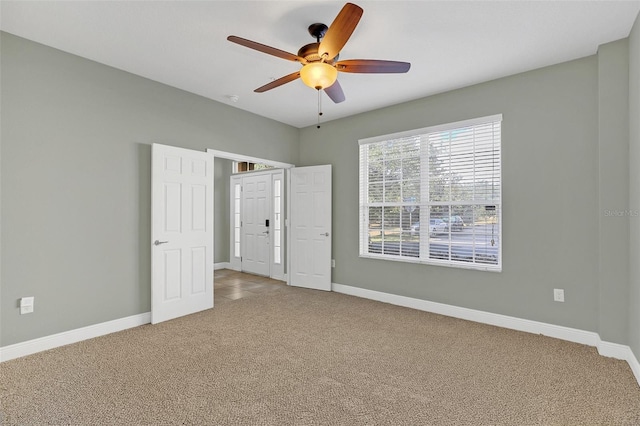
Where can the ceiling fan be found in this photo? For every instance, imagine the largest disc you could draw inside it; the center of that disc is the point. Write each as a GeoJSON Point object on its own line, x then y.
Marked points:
{"type": "Point", "coordinates": [320, 64]}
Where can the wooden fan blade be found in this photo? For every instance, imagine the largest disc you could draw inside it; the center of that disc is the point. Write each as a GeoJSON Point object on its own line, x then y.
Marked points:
{"type": "Point", "coordinates": [335, 92]}
{"type": "Point", "coordinates": [266, 49]}
{"type": "Point", "coordinates": [340, 30]}
{"type": "Point", "coordinates": [278, 82]}
{"type": "Point", "coordinates": [372, 66]}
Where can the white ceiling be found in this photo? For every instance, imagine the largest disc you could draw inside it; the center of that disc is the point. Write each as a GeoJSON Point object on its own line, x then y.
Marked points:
{"type": "Point", "coordinates": [450, 44]}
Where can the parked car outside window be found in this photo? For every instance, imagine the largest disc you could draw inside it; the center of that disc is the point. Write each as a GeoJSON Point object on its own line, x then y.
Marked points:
{"type": "Point", "coordinates": [436, 226]}
{"type": "Point", "coordinates": [456, 222]}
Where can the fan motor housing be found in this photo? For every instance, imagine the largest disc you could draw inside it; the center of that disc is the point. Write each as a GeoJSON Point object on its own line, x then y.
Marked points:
{"type": "Point", "coordinates": [310, 53]}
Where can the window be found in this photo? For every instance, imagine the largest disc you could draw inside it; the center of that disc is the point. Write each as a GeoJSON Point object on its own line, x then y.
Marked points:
{"type": "Point", "coordinates": [247, 166]}
{"type": "Point", "coordinates": [433, 195]}
{"type": "Point", "coordinates": [277, 220]}
{"type": "Point", "coordinates": [237, 224]}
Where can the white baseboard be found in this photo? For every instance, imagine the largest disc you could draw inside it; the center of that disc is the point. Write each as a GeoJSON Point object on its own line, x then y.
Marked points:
{"type": "Point", "coordinates": [612, 350]}
{"type": "Point", "coordinates": [634, 364]}
{"type": "Point", "coordinates": [608, 349]}
{"type": "Point", "coordinates": [615, 350]}
{"type": "Point", "coordinates": [72, 336]}
{"type": "Point", "coordinates": [559, 332]}
{"type": "Point", "coordinates": [221, 265]}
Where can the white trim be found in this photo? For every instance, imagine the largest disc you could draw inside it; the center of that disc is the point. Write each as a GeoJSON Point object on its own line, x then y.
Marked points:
{"type": "Point", "coordinates": [221, 265]}
{"type": "Point", "coordinates": [287, 201]}
{"type": "Point", "coordinates": [277, 269]}
{"type": "Point", "coordinates": [235, 262]}
{"type": "Point", "coordinates": [425, 261]}
{"type": "Point", "coordinates": [240, 157]}
{"type": "Point", "coordinates": [612, 350]}
{"type": "Point", "coordinates": [432, 129]}
{"type": "Point", "coordinates": [623, 352]}
{"type": "Point", "coordinates": [634, 364]}
{"type": "Point", "coordinates": [559, 332]}
{"type": "Point", "coordinates": [72, 336]}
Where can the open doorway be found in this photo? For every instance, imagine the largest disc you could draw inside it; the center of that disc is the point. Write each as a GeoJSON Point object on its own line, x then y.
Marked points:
{"type": "Point", "coordinates": [250, 214]}
{"type": "Point", "coordinates": [257, 234]}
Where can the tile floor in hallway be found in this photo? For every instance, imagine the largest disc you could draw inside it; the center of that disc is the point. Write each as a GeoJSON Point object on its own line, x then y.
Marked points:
{"type": "Point", "coordinates": [231, 285]}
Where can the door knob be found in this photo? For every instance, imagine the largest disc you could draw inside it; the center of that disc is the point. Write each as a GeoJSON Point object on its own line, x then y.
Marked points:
{"type": "Point", "coordinates": [326, 234]}
{"type": "Point", "coordinates": [157, 243]}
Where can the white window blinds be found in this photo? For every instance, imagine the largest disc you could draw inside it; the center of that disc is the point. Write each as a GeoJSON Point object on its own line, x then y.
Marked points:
{"type": "Point", "coordinates": [433, 195]}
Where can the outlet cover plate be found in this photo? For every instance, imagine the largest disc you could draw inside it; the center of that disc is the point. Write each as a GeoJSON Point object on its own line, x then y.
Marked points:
{"type": "Point", "coordinates": [558, 295]}
{"type": "Point", "coordinates": [26, 305]}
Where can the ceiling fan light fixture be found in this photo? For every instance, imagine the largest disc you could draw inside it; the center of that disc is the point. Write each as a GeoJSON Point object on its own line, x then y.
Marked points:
{"type": "Point", "coordinates": [318, 75]}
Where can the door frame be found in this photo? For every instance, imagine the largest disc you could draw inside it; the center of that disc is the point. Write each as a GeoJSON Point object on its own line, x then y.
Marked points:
{"type": "Point", "coordinates": [240, 157]}
{"type": "Point", "coordinates": [277, 164]}
{"type": "Point", "coordinates": [277, 228]}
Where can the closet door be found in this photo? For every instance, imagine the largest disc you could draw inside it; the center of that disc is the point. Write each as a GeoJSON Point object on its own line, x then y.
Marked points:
{"type": "Point", "coordinates": [311, 227]}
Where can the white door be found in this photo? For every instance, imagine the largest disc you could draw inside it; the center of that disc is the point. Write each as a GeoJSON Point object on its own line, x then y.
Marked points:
{"type": "Point", "coordinates": [182, 232]}
{"type": "Point", "coordinates": [311, 227]}
{"type": "Point", "coordinates": [256, 196]}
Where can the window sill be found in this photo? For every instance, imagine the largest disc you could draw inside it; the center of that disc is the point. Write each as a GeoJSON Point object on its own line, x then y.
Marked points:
{"type": "Point", "coordinates": [435, 262]}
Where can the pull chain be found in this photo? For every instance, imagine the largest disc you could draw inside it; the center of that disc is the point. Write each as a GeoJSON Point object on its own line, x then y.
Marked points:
{"type": "Point", "coordinates": [319, 107]}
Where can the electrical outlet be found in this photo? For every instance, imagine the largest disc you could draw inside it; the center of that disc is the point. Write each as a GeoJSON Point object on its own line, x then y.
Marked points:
{"type": "Point", "coordinates": [333, 263]}
{"type": "Point", "coordinates": [26, 305]}
{"type": "Point", "coordinates": [558, 295]}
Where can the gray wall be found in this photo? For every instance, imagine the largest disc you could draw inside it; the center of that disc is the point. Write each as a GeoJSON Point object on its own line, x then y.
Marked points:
{"type": "Point", "coordinates": [75, 187]}
{"type": "Point", "coordinates": [634, 187]}
{"type": "Point", "coordinates": [75, 190]}
{"type": "Point", "coordinates": [613, 190]}
{"type": "Point", "coordinates": [222, 168]}
{"type": "Point", "coordinates": [550, 198]}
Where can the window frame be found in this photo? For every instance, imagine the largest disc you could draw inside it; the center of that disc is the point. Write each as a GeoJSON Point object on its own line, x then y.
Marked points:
{"type": "Point", "coordinates": [425, 204]}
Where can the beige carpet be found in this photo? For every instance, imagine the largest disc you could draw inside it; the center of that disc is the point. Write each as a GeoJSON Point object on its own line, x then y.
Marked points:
{"type": "Point", "coordinates": [302, 357]}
